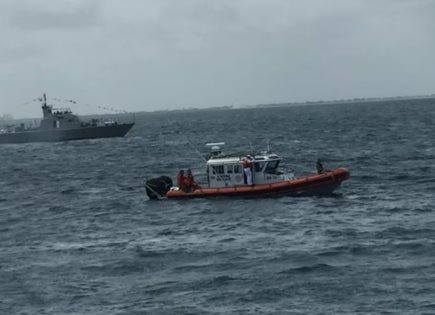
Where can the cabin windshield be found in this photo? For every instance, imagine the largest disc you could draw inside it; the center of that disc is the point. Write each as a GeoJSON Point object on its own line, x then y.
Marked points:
{"type": "Point", "coordinates": [218, 169]}
{"type": "Point", "coordinates": [272, 167]}
{"type": "Point", "coordinates": [259, 166]}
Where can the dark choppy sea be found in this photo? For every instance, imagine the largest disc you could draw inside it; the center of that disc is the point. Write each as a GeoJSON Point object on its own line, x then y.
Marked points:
{"type": "Point", "coordinates": [78, 235]}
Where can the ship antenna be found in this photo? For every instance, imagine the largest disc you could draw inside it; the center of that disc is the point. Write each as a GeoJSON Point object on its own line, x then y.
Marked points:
{"type": "Point", "coordinates": [252, 149]}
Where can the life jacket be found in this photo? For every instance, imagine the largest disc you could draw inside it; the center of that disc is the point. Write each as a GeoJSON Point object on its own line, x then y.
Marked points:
{"type": "Point", "coordinates": [246, 163]}
{"type": "Point", "coordinates": [181, 180]}
{"type": "Point", "coordinates": [190, 181]}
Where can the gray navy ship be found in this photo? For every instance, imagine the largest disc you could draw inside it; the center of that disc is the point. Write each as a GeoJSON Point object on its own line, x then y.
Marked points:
{"type": "Point", "coordinates": [63, 125]}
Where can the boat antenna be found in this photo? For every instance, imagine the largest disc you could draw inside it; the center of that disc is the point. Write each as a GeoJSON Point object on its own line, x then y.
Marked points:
{"type": "Point", "coordinates": [251, 148]}
{"type": "Point", "coordinates": [205, 159]}
{"type": "Point", "coordinates": [199, 153]}
{"type": "Point", "coordinates": [195, 149]}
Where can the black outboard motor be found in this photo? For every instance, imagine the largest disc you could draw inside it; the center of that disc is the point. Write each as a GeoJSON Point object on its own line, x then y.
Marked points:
{"type": "Point", "coordinates": [158, 187]}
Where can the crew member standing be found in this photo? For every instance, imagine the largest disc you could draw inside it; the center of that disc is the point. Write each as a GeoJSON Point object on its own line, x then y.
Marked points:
{"type": "Point", "coordinates": [247, 170]}
{"type": "Point", "coordinates": [181, 180]}
{"type": "Point", "coordinates": [190, 181]}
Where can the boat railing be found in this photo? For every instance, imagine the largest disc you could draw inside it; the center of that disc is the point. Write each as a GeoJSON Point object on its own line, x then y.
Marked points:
{"type": "Point", "coordinates": [286, 173]}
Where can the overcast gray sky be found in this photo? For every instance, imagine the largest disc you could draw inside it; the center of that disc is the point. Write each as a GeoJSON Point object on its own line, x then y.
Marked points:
{"type": "Point", "coordinates": [165, 54]}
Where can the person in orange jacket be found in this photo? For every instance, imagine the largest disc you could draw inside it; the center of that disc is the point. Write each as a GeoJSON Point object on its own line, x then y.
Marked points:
{"type": "Point", "coordinates": [247, 169]}
{"type": "Point", "coordinates": [182, 180]}
{"type": "Point", "coordinates": [190, 181]}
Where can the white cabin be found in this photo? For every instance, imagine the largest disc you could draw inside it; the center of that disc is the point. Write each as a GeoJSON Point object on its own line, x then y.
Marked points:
{"type": "Point", "coordinates": [227, 170]}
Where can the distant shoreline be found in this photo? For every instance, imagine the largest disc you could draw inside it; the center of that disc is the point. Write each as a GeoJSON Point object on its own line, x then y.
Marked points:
{"type": "Point", "coordinates": [269, 105]}
{"type": "Point", "coordinates": [346, 101]}
{"type": "Point", "coordinates": [307, 103]}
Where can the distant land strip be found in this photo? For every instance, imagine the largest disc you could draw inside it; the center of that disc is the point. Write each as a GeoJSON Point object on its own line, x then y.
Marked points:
{"type": "Point", "coordinates": [347, 101]}
{"type": "Point", "coordinates": [8, 118]}
{"type": "Point", "coordinates": [284, 104]}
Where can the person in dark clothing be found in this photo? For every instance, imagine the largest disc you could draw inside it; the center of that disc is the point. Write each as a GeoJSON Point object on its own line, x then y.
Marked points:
{"type": "Point", "coordinates": [319, 167]}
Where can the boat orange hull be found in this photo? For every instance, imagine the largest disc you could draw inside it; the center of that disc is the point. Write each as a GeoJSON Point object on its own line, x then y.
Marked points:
{"type": "Point", "coordinates": [321, 184]}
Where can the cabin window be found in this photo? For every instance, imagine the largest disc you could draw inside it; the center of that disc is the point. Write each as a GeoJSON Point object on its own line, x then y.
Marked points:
{"type": "Point", "coordinates": [258, 166]}
{"type": "Point", "coordinates": [218, 169]}
{"type": "Point", "coordinates": [237, 169]}
{"type": "Point", "coordinates": [271, 167]}
{"type": "Point", "coordinates": [234, 169]}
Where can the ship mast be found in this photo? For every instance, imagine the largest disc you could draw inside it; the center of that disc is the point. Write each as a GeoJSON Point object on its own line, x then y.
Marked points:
{"type": "Point", "coordinates": [46, 110]}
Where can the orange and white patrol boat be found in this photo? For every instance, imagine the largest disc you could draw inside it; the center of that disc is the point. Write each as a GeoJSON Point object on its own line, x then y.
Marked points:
{"type": "Point", "coordinates": [228, 176]}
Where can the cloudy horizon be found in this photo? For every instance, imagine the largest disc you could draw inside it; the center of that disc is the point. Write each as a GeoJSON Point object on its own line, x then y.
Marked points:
{"type": "Point", "coordinates": [149, 55]}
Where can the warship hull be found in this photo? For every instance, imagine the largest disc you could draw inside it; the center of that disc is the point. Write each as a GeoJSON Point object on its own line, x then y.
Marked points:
{"type": "Point", "coordinates": [56, 135]}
